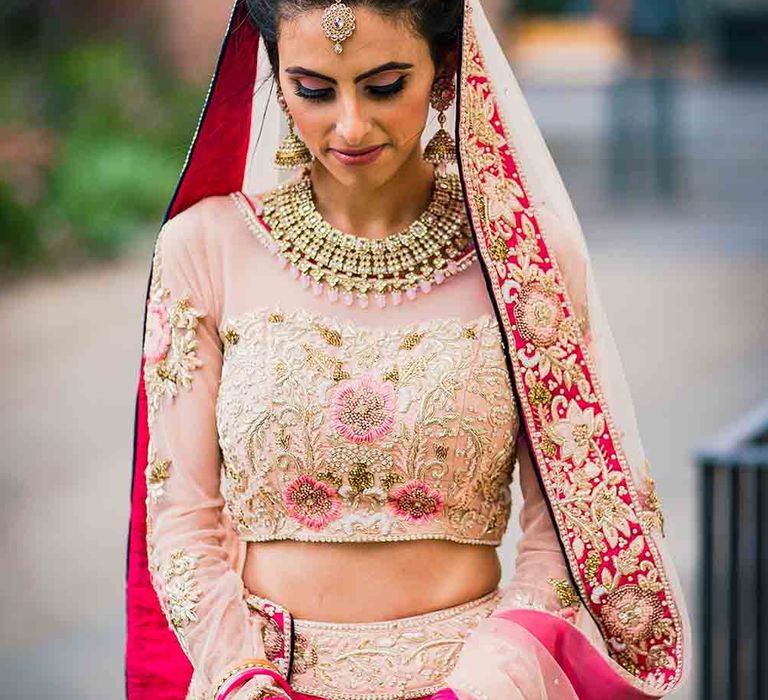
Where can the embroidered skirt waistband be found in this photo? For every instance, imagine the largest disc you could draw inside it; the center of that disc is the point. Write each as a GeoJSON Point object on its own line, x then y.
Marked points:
{"type": "Point", "coordinates": [408, 657]}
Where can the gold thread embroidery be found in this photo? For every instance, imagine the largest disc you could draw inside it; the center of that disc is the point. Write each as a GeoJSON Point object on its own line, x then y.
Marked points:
{"type": "Point", "coordinates": [170, 343]}
{"type": "Point", "coordinates": [156, 475]}
{"type": "Point", "coordinates": [591, 513]}
{"type": "Point", "coordinates": [446, 418]}
{"type": "Point", "coordinates": [181, 592]}
{"type": "Point", "coordinates": [565, 592]}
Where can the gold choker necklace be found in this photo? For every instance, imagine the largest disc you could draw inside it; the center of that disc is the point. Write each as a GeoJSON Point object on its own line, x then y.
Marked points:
{"type": "Point", "coordinates": [355, 269]}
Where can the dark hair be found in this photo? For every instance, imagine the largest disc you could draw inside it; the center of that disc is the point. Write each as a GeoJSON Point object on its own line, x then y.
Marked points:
{"type": "Point", "coordinates": [438, 21]}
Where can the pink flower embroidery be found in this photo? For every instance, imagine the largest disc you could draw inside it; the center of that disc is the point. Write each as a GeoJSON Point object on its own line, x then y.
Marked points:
{"type": "Point", "coordinates": [538, 314]}
{"type": "Point", "coordinates": [158, 335]}
{"type": "Point", "coordinates": [416, 501]}
{"type": "Point", "coordinates": [363, 411]}
{"type": "Point", "coordinates": [311, 502]}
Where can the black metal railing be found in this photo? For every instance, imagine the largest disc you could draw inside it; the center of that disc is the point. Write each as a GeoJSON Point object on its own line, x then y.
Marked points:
{"type": "Point", "coordinates": [733, 660]}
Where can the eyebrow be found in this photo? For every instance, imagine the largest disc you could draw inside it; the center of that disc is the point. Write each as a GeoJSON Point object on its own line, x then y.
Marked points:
{"type": "Point", "coordinates": [391, 65]}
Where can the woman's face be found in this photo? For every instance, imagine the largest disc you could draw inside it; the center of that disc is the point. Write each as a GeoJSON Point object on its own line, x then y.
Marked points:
{"type": "Point", "coordinates": [374, 95]}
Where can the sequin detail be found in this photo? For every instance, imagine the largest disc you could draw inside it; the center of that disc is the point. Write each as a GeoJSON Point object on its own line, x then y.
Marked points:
{"type": "Point", "coordinates": [363, 411]}
{"type": "Point", "coordinates": [416, 502]}
{"type": "Point", "coordinates": [181, 592]}
{"type": "Point", "coordinates": [317, 446]}
{"type": "Point", "coordinates": [311, 502]}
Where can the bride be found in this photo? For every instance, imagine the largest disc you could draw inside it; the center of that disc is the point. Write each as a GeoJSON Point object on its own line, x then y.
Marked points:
{"type": "Point", "coordinates": [343, 369]}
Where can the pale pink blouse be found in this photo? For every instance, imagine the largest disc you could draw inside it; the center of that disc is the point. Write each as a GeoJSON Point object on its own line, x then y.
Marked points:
{"type": "Point", "coordinates": [276, 414]}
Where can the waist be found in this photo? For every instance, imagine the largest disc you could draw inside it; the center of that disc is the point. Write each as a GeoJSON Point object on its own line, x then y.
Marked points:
{"type": "Point", "coordinates": [369, 582]}
{"type": "Point", "coordinates": [406, 657]}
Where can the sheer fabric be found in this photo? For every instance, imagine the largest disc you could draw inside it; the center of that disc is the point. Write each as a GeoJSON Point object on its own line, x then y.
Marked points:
{"type": "Point", "coordinates": [602, 618]}
{"type": "Point", "coordinates": [210, 270]}
{"type": "Point", "coordinates": [194, 555]}
{"type": "Point", "coordinates": [211, 276]}
{"type": "Point", "coordinates": [333, 430]}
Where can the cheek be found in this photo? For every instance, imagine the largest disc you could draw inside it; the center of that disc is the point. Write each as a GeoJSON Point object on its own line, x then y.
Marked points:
{"type": "Point", "coordinates": [311, 121]}
{"type": "Point", "coordinates": [406, 118]}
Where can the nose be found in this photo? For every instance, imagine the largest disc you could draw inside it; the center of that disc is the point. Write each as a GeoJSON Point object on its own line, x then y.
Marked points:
{"type": "Point", "coordinates": [352, 125]}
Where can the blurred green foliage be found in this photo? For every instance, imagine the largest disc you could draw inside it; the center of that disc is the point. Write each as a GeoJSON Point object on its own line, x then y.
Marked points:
{"type": "Point", "coordinates": [92, 136]}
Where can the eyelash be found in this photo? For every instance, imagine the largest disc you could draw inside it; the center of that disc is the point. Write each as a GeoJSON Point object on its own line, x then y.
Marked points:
{"type": "Point", "coordinates": [378, 92]}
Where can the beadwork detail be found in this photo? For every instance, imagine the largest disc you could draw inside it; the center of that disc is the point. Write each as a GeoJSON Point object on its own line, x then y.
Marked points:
{"type": "Point", "coordinates": [602, 518]}
{"type": "Point", "coordinates": [364, 410]}
{"type": "Point", "coordinates": [369, 437]}
{"type": "Point", "coordinates": [416, 501]}
{"type": "Point", "coordinates": [170, 345]}
{"type": "Point", "coordinates": [181, 592]}
{"type": "Point", "coordinates": [566, 594]}
{"type": "Point", "coordinates": [311, 502]}
{"type": "Point", "coordinates": [359, 661]}
{"type": "Point", "coordinates": [355, 269]}
{"type": "Point", "coordinates": [538, 314]}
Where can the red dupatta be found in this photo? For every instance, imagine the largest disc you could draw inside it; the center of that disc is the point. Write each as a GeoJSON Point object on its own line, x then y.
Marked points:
{"type": "Point", "coordinates": [156, 666]}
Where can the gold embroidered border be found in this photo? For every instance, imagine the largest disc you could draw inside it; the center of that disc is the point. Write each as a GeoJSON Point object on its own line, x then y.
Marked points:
{"type": "Point", "coordinates": [618, 569]}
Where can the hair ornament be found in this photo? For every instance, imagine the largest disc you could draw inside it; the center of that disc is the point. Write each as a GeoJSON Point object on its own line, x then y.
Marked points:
{"type": "Point", "coordinates": [338, 24]}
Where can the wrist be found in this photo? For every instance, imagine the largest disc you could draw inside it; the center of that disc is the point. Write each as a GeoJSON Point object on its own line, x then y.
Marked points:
{"type": "Point", "coordinates": [260, 687]}
{"type": "Point", "coordinates": [238, 674]}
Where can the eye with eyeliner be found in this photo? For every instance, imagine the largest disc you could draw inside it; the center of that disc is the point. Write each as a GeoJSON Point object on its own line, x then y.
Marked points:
{"type": "Point", "coordinates": [383, 91]}
{"type": "Point", "coordinates": [375, 91]}
{"type": "Point", "coordinates": [323, 95]}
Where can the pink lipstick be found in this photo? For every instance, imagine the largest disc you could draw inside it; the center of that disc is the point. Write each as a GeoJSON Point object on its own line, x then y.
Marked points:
{"type": "Point", "coordinates": [363, 157]}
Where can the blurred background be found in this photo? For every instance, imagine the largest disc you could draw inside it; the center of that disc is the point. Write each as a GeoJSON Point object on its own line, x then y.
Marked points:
{"type": "Point", "coordinates": [655, 112]}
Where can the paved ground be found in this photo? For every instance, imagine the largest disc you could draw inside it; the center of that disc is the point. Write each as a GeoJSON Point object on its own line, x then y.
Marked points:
{"type": "Point", "coordinates": [686, 287]}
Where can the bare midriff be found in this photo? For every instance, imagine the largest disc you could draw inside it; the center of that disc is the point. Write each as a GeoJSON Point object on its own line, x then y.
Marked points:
{"type": "Point", "coordinates": [369, 581]}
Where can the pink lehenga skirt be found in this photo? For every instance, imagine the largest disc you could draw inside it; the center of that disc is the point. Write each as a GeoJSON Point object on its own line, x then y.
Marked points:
{"type": "Point", "coordinates": [406, 657]}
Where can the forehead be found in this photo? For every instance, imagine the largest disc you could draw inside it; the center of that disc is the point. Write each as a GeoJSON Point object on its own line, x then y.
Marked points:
{"type": "Point", "coordinates": [377, 39]}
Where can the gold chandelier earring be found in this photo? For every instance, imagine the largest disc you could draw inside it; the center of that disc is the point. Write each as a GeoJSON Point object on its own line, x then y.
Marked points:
{"type": "Point", "coordinates": [441, 149]}
{"type": "Point", "coordinates": [292, 152]}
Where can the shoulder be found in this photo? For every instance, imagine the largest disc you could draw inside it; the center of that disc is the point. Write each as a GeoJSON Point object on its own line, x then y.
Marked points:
{"type": "Point", "coordinates": [200, 226]}
{"type": "Point", "coordinates": [206, 235]}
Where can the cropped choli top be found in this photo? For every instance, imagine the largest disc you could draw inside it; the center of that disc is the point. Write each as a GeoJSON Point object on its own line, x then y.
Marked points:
{"type": "Point", "coordinates": [274, 414]}
{"type": "Point", "coordinates": [332, 423]}
{"type": "Point", "coordinates": [336, 432]}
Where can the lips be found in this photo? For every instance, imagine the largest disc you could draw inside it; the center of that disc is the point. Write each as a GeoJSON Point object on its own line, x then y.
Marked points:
{"type": "Point", "coordinates": [357, 157]}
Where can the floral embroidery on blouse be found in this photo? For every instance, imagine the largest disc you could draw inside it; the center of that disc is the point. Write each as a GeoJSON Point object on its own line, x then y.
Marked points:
{"type": "Point", "coordinates": [156, 473]}
{"type": "Point", "coordinates": [334, 432]}
{"type": "Point", "coordinates": [158, 336]}
{"type": "Point", "coordinates": [416, 502]}
{"type": "Point", "coordinates": [181, 592]}
{"type": "Point", "coordinates": [170, 345]}
{"type": "Point", "coordinates": [311, 502]}
{"type": "Point", "coordinates": [363, 411]}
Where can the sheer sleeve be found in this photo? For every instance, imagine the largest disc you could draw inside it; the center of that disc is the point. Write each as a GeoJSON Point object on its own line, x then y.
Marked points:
{"type": "Point", "coordinates": [504, 656]}
{"type": "Point", "coordinates": [192, 550]}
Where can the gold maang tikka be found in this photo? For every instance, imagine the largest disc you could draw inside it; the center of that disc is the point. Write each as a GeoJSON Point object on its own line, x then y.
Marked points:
{"type": "Point", "coordinates": [338, 24]}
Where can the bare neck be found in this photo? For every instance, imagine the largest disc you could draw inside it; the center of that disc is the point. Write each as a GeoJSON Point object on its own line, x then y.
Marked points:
{"type": "Point", "coordinates": [377, 211]}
